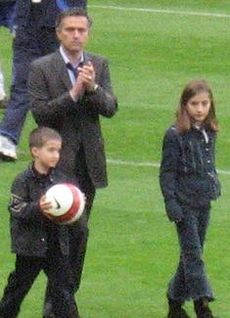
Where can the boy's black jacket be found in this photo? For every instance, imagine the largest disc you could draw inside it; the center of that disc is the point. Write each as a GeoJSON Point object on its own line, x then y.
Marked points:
{"type": "Point", "coordinates": [31, 231]}
{"type": "Point", "coordinates": [187, 172]}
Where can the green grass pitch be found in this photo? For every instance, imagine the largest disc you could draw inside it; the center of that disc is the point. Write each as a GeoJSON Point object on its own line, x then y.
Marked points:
{"type": "Point", "coordinates": [133, 249]}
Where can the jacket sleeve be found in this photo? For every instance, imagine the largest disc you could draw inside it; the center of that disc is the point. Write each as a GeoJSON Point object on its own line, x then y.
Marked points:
{"type": "Point", "coordinates": [168, 169]}
{"type": "Point", "coordinates": [103, 99]}
{"type": "Point", "coordinates": [46, 110]}
{"type": "Point", "coordinates": [20, 206]}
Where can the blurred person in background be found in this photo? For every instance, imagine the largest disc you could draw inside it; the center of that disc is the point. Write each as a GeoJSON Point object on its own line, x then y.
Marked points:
{"type": "Point", "coordinates": [34, 37]}
{"type": "Point", "coordinates": [7, 14]}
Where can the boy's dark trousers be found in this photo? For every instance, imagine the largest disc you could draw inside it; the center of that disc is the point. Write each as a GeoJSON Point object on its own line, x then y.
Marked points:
{"type": "Point", "coordinates": [21, 279]}
{"type": "Point", "coordinates": [190, 280]}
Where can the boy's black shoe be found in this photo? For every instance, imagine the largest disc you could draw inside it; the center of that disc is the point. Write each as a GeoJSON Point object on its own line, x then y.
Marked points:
{"type": "Point", "coordinates": [176, 310]}
{"type": "Point", "coordinates": [201, 308]}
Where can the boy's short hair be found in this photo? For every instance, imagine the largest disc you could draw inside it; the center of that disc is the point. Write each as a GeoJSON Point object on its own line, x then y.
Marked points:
{"type": "Point", "coordinates": [39, 136]}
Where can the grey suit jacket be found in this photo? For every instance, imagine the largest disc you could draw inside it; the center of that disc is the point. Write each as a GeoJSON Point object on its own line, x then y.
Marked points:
{"type": "Point", "coordinates": [77, 122]}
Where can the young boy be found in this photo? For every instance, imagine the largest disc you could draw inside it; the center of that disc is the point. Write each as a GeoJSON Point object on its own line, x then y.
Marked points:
{"type": "Point", "coordinates": [39, 243]}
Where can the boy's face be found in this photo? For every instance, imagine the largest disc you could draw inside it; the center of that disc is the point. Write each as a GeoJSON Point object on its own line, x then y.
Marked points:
{"type": "Point", "coordinates": [47, 156]}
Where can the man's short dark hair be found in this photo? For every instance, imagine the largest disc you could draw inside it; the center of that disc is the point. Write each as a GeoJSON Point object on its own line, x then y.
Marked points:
{"type": "Point", "coordinates": [74, 12]}
{"type": "Point", "coordinates": [39, 136]}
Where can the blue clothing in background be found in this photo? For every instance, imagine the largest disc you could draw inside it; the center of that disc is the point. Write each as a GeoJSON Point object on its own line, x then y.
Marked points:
{"type": "Point", "coordinates": [35, 37]}
{"type": "Point", "coordinates": [7, 14]}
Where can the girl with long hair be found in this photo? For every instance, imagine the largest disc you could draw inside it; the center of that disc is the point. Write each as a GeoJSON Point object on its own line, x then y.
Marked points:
{"type": "Point", "coordinates": [189, 182]}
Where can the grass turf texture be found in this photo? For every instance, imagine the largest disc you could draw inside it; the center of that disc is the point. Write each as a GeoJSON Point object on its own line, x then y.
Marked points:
{"type": "Point", "coordinates": [132, 249]}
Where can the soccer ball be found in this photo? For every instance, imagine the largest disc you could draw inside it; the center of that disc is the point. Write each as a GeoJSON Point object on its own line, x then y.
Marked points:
{"type": "Point", "coordinates": [68, 203]}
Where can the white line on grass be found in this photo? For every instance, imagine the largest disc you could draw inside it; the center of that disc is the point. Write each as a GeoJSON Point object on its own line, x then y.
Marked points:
{"type": "Point", "coordinates": [148, 164]}
{"type": "Point", "coordinates": [164, 11]}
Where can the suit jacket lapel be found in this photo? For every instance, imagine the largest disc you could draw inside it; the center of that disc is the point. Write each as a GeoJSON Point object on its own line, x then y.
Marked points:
{"type": "Point", "coordinates": [61, 70]}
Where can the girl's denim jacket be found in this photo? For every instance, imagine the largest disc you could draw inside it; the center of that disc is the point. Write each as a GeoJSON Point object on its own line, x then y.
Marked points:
{"type": "Point", "coordinates": [187, 173]}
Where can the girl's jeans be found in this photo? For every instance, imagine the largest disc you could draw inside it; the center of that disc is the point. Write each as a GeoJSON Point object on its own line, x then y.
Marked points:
{"type": "Point", "coordinates": [190, 280]}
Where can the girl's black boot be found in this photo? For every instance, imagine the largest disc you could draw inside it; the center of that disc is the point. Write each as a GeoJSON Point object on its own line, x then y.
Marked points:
{"type": "Point", "coordinates": [176, 310]}
{"type": "Point", "coordinates": [201, 308]}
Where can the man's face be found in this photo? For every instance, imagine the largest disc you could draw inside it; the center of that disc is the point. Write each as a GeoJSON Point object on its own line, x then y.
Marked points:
{"type": "Point", "coordinates": [73, 33]}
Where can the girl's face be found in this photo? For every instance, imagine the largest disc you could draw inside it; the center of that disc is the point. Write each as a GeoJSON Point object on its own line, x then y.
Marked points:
{"type": "Point", "coordinates": [198, 107]}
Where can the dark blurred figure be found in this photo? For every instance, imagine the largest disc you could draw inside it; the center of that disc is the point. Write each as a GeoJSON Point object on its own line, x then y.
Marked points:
{"type": "Point", "coordinates": [7, 14]}
{"type": "Point", "coordinates": [35, 36]}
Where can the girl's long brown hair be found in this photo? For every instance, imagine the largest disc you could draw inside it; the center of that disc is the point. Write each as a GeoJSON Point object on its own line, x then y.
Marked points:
{"type": "Point", "coordinates": [183, 121]}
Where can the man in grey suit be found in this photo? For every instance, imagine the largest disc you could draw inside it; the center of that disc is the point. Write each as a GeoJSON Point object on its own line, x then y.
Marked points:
{"type": "Point", "coordinates": [69, 90]}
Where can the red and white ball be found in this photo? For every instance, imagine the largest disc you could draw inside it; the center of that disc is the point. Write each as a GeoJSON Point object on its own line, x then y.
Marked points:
{"type": "Point", "coordinates": [68, 203]}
